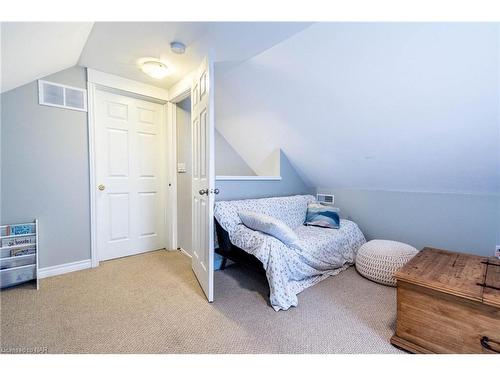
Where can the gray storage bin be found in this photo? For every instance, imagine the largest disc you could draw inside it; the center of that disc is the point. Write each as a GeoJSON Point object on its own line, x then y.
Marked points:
{"type": "Point", "coordinates": [18, 275]}
{"type": "Point", "coordinates": [18, 261]}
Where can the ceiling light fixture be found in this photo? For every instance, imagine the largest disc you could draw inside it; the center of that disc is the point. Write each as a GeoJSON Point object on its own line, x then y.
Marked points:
{"type": "Point", "coordinates": [155, 69]}
{"type": "Point", "coordinates": [178, 47]}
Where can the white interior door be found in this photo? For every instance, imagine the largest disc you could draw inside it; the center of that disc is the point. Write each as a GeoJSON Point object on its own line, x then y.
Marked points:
{"type": "Point", "coordinates": [129, 155]}
{"type": "Point", "coordinates": [203, 182]}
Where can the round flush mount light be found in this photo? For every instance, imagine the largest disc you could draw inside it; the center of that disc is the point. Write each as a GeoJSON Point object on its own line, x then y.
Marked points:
{"type": "Point", "coordinates": [155, 69]}
{"type": "Point", "coordinates": [178, 47]}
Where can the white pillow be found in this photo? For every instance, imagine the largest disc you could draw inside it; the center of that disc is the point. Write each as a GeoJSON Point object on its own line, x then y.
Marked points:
{"type": "Point", "coordinates": [271, 226]}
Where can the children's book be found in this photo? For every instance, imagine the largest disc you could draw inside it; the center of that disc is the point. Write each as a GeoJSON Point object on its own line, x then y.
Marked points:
{"type": "Point", "coordinates": [22, 229]}
{"type": "Point", "coordinates": [19, 252]}
{"type": "Point", "coordinates": [8, 242]}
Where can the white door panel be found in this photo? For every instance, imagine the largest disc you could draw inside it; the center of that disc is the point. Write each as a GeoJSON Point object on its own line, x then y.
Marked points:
{"type": "Point", "coordinates": [203, 180]}
{"type": "Point", "coordinates": [128, 156]}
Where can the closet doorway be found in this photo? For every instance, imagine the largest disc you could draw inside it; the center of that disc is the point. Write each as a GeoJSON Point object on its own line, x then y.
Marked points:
{"type": "Point", "coordinates": [128, 162]}
{"type": "Point", "coordinates": [184, 175]}
{"type": "Point", "coordinates": [129, 173]}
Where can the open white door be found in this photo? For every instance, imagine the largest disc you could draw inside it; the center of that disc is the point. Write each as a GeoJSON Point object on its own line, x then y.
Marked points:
{"type": "Point", "coordinates": [203, 182]}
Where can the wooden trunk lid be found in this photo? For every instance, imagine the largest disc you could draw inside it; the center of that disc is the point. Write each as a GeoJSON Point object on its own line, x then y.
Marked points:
{"type": "Point", "coordinates": [469, 276]}
{"type": "Point", "coordinates": [491, 293]}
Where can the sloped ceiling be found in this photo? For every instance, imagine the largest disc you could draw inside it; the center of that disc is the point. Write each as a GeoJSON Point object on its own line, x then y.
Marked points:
{"type": "Point", "coordinates": [410, 107]}
{"type": "Point", "coordinates": [116, 47]}
{"type": "Point", "coordinates": [353, 105]}
{"type": "Point", "coordinates": [32, 50]}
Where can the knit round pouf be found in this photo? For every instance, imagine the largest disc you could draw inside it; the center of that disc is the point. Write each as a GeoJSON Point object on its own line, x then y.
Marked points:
{"type": "Point", "coordinates": [378, 260]}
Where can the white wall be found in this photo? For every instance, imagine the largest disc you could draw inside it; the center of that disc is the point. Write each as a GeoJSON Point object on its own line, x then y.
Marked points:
{"type": "Point", "coordinates": [227, 160]}
{"type": "Point", "coordinates": [290, 184]}
{"type": "Point", "coordinates": [408, 107]}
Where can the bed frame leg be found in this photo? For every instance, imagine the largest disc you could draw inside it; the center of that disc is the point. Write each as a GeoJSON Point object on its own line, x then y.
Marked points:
{"type": "Point", "coordinates": [223, 264]}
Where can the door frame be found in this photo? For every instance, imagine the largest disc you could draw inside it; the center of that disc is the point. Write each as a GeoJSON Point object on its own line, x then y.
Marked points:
{"type": "Point", "coordinates": [177, 93]}
{"type": "Point", "coordinates": [123, 86]}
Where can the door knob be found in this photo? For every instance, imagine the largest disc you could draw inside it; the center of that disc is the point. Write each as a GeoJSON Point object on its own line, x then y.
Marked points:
{"type": "Point", "coordinates": [203, 191]}
{"type": "Point", "coordinates": [101, 187]}
{"type": "Point", "coordinates": [214, 191]}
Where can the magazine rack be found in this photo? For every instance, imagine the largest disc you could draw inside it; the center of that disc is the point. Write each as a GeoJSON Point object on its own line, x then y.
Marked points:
{"type": "Point", "coordinates": [18, 254]}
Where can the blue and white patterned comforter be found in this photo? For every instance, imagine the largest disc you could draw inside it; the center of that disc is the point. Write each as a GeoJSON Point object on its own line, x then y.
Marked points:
{"type": "Point", "coordinates": [325, 252]}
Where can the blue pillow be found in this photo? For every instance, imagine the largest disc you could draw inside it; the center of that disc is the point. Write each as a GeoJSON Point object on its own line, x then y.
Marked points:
{"type": "Point", "coordinates": [320, 215]}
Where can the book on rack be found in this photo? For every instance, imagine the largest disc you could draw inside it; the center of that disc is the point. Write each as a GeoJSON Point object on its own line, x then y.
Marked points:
{"type": "Point", "coordinates": [21, 229]}
{"type": "Point", "coordinates": [16, 241]}
{"type": "Point", "coordinates": [23, 251]}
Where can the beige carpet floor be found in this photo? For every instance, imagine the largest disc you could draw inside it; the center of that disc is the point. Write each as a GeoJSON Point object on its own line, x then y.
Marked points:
{"type": "Point", "coordinates": [152, 303]}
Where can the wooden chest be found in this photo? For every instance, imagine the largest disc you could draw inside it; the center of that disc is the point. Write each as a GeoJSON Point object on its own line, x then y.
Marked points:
{"type": "Point", "coordinates": [448, 303]}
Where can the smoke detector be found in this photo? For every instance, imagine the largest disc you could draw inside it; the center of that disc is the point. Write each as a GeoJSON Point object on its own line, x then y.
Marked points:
{"type": "Point", "coordinates": [178, 47]}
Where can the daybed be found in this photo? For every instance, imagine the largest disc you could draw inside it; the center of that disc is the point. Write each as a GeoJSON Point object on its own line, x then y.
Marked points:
{"type": "Point", "coordinates": [324, 252]}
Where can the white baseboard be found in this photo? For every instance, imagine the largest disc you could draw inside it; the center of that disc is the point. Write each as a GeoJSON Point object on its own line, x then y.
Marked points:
{"type": "Point", "coordinates": [184, 252]}
{"type": "Point", "coordinates": [64, 268]}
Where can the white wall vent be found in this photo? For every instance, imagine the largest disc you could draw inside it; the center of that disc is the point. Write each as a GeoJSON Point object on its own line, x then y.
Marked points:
{"type": "Point", "coordinates": [328, 199]}
{"type": "Point", "coordinates": [62, 96]}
